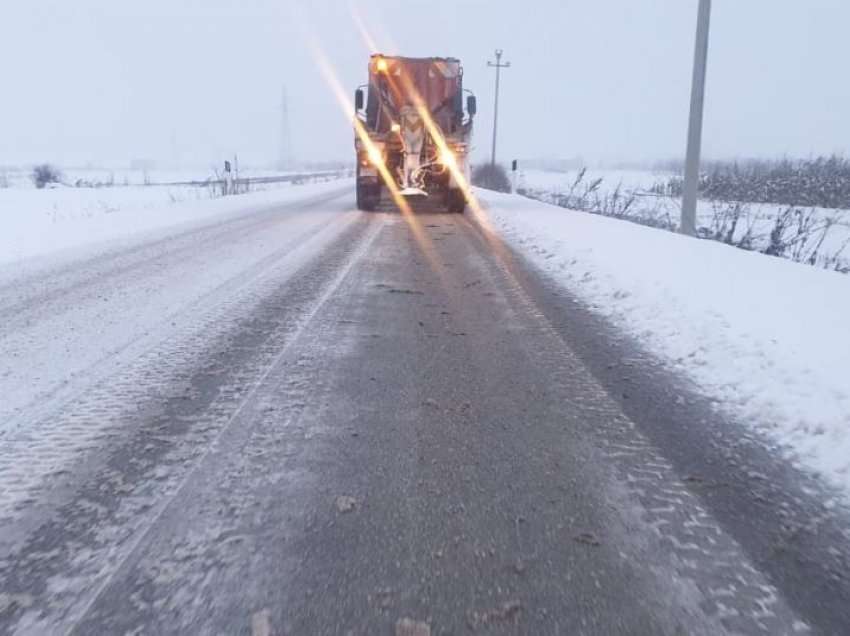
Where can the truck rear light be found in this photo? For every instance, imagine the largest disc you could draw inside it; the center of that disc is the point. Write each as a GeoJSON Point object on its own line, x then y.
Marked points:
{"type": "Point", "coordinates": [375, 156]}
{"type": "Point", "coordinates": [448, 159]}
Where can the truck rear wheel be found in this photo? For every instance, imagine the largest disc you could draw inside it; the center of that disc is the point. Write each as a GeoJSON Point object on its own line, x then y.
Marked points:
{"type": "Point", "coordinates": [368, 197]}
{"type": "Point", "coordinates": [455, 201]}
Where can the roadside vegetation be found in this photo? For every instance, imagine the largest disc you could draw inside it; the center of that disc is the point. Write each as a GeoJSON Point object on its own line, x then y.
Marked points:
{"type": "Point", "coordinates": [44, 174]}
{"type": "Point", "coordinates": [816, 235]}
{"type": "Point", "coordinates": [491, 176]}
{"type": "Point", "coordinates": [823, 182]}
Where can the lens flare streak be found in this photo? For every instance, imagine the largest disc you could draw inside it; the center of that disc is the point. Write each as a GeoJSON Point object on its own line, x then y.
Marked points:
{"type": "Point", "coordinates": [439, 139]}
{"type": "Point", "coordinates": [371, 148]}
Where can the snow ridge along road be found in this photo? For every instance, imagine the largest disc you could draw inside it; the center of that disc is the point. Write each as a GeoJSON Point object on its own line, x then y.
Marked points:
{"type": "Point", "coordinates": [324, 422]}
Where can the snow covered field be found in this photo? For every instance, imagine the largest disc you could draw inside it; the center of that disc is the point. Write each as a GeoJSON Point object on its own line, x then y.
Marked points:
{"type": "Point", "coordinates": [35, 222]}
{"type": "Point", "coordinates": [21, 178]}
{"type": "Point", "coordinates": [559, 182]}
{"type": "Point", "coordinates": [767, 338]}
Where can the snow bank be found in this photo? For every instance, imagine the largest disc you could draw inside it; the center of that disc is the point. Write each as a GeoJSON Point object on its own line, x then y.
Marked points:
{"type": "Point", "coordinates": [768, 338]}
{"type": "Point", "coordinates": [37, 222]}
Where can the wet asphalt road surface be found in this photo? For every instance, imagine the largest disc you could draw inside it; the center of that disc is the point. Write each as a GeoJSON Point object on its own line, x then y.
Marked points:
{"type": "Point", "coordinates": [399, 430]}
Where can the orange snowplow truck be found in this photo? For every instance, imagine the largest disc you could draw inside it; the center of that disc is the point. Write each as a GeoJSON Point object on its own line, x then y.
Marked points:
{"type": "Point", "coordinates": [390, 109]}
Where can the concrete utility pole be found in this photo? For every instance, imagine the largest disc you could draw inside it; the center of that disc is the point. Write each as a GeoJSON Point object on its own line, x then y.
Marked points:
{"type": "Point", "coordinates": [499, 66]}
{"type": "Point", "coordinates": [692, 160]}
{"type": "Point", "coordinates": [285, 150]}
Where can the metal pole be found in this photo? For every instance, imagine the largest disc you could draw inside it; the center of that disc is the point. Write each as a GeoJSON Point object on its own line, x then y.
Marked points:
{"type": "Point", "coordinates": [692, 160]}
{"type": "Point", "coordinates": [496, 107]}
{"type": "Point", "coordinates": [499, 66]}
{"type": "Point", "coordinates": [285, 158]}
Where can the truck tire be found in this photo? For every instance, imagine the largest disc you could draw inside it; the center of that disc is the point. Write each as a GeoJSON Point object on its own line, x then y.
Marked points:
{"type": "Point", "coordinates": [368, 197]}
{"type": "Point", "coordinates": [455, 201]}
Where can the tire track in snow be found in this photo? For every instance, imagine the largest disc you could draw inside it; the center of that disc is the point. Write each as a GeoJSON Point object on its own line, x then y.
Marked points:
{"type": "Point", "coordinates": [688, 540]}
{"type": "Point", "coordinates": [84, 414]}
{"type": "Point", "coordinates": [70, 578]}
{"type": "Point", "coordinates": [59, 342]}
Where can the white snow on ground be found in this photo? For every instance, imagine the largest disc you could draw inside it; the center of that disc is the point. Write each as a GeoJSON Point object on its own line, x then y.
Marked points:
{"type": "Point", "coordinates": [37, 222]}
{"type": "Point", "coordinates": [117, 177]}
{"type": "Point", "coordinates": [766, 337]}
{"type": "Point", "coordinates": [611, 178]}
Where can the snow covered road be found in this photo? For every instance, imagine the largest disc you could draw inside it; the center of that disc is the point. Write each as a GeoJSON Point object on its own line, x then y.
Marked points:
{"type": "Point", "coordinates": [67, 329]}
{"type": "Point", "coordinates": [302, 419]}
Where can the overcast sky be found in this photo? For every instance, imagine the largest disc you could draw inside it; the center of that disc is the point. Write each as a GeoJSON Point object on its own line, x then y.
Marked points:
{"type": "Point", "coordinates": [109, 80]}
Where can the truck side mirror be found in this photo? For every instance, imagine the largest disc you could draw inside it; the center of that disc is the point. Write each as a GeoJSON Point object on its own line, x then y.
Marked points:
{"type": "Point", "coordinates": [358, 99]}
{"type": "Point", "coordinates": [471, 105]}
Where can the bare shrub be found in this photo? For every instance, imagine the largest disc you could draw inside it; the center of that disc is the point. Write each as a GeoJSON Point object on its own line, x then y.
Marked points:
{"type": "Point", "coordinates": [587, 196]}
{"type": "Point", "coordinates": [45, 173]}
{"type": "Point", "coordinates": [799, 235]}
{"type": "Point", "coordinates": [731, 223]}
{"type": "Point", "coordinates": [794, 233]}
{"type": "Point", "coordinates": [491, 176]}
